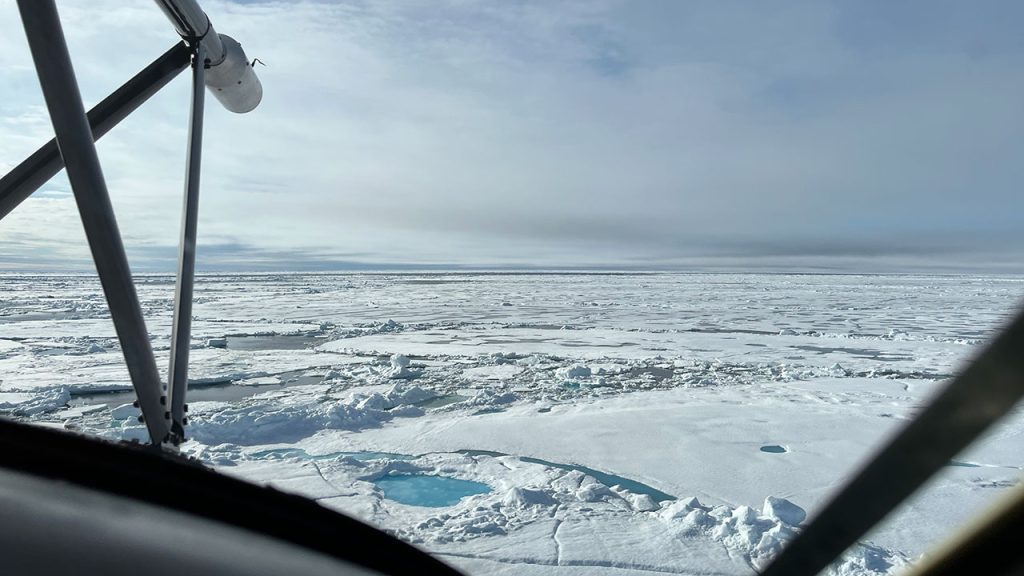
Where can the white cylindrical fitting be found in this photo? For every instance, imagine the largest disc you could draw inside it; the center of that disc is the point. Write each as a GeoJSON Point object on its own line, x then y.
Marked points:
{"type": "Point", "coordinates": [233, 82]}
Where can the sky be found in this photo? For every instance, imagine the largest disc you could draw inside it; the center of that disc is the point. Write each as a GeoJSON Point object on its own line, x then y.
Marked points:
{"type": "Point", "coordinates": [867, 136]}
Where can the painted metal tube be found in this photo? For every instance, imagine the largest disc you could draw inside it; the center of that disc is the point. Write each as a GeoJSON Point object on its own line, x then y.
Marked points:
{"type": "Point", "coordinates": [45, 162]}
{"type": "Point", "coordinates": [75, 141]}
{"type": "Point", "coordinates": [230, 77]}
{"type": "Point", "coordinates": [181, 335]}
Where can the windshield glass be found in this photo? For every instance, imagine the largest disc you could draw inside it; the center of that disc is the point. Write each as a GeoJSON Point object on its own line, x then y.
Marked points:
{"type": "Point", "coordinates": [605, 288]}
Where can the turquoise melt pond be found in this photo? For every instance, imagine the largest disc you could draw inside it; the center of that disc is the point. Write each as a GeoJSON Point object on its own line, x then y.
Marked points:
{"type": "Point", "coordinates": [427, 490]}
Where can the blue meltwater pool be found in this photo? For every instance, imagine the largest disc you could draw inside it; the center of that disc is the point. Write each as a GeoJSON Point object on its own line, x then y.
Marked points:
{"type": "Point", "coordinates": [427, 490]}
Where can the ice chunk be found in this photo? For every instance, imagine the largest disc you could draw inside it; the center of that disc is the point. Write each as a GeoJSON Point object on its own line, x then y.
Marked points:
{"type": "Point", "coordinates": [124, 412]}
{"type": "Point", "coordinates": [399, 394]}
{"type": "Point", "coordinates": [524, 497]}
{"type": "Point", "coordinates": [594, 492]}
{"type": "Point", "coordinates": [783, 510]}
{"type": "Point", "coordinates": [10, 346]}
{"type": "Point", "coordinates": [680, 508]}
{"type": "Point", "coordinates": [576, 371]}
{"type": "Point", "coordinates": [747, 536]}
{"type": "Point", "coordinates": [696, 521]}
{"type": "Point", "coordinates": [405, 374]}
{"type": "Point", "coordinates": [30, 403]}
{"type": "Point", "coordinates": [135, 433]}
{"type": "Point", "coordinates": [389, 326]}
{"type": "Point", "coordinates": [771, 544]}
{"type": "Point", "coordinates": [691, 502]}
{"type": "Point", "coordinates": [641, 502]}
{"type": "Point", "coordinates": [79, 411]}
{"type": "Point", "coordinates": [407, 412]}
{"type": "Point", "coordinates": [867, 558]}
{"type": "Point", "coordinates": [375, 401]}
{"type": "Point", "coordinates": [217, 342]}
{"type": "Point", "coordinates": [283, 420]}
{"type": "Point", "coordinates": [400, 369]}
{"type": "Point", "coordinates": [744, 515]}
{"type": "Point", "coordinates": [721, 512]}
{"type": "Point", "coordinates": [723, 531]}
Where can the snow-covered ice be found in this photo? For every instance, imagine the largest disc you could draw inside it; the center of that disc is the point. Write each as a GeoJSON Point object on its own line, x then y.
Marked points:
{"type": "Point", "coordinates": [605, 424]}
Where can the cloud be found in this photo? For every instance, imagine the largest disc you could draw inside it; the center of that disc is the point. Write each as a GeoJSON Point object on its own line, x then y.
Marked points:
{"type": "Point", "coordinates": [560, 134]}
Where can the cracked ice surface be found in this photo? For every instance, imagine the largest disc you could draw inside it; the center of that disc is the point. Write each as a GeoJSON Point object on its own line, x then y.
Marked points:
{"type": "Point", "coordinates": [580, 400]}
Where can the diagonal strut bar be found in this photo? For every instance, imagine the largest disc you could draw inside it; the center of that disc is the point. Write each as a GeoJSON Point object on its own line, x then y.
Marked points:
{"type": "Point", "coordinates": [181, 335]}
{"type": "Point", "coordinates": [45, 162]}
{"type": "Point", "coordinates": [75, 141]}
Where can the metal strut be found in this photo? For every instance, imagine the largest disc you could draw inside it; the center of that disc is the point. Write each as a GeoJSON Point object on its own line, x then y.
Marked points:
{"type": "Point", "coordinates": [75, 141]}
{"type": "Point", "coordinates": [181, 336]}
{"type": "Point", "coordinates": [45, 162]}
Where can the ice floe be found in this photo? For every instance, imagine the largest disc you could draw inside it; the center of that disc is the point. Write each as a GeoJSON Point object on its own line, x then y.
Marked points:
{"type": "Point", "coordinates": [582, 403]}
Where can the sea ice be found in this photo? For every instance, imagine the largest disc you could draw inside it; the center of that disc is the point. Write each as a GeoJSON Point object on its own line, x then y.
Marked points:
{"type": "Point", "coordinates": [783, 510]}
{"type": "Point", "coordinates": [737, 389]}
{"type": "Point", "coordinates": [576, 371]}
{"type": "Point", "coordinates": [125, 411]}
{"type": "Point", "coordinates": [217, 342]}
{"type": "Point", "coordinates": [30, 404]}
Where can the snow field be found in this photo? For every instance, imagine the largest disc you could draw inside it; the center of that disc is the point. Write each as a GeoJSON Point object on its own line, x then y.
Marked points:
{"type": "Point", "coordinates": [578, 400]}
